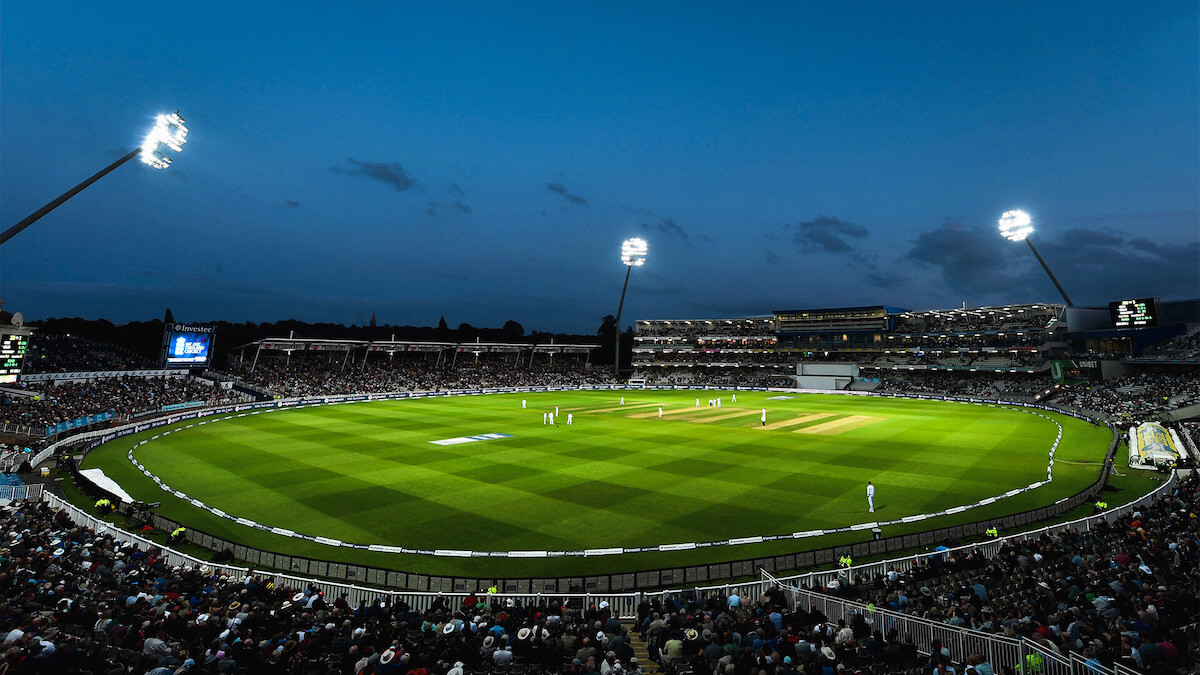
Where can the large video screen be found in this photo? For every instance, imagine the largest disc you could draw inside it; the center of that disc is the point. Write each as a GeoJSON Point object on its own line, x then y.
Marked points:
{"type": "Point", "coordinates": [187, 346]}
{"type": "Point", "coordinates": [12, 356]}
{"type": "Point", "coordinates": [1133, 313]}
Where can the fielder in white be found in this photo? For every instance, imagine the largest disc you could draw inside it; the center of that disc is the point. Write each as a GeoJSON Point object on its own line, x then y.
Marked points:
{"type": "Point", "coordinates": [871, 496]}
{"type": "Point", "coordinates": [555, 410]}
{"type": "Point", "coordinates": [764, 417]}
{"type": "Point", "coordinates": [570, 419]}
{"type": "Point", "coordinates": [523, 406]}
{"type": "Point", "coordinates": [544, 417]}
{"type": "Point", "coordinates": [622, 400]}
{"type": "Point", "coordinates": [735, 398]}
{"type": "Point", "coordinates": [660, 412]}
{"type": "Point", "coordinates": [697, 401]}
{"type": "Point", "coordinates": [551, 417]}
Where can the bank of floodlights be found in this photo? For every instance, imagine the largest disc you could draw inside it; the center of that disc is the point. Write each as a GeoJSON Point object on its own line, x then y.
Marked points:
{"type": "Point", "coordinates": [1015, 225]}
{"type": "Point", "coordinates": [168, 130]}
{"type": "Point", "coordinates": [633, 252]}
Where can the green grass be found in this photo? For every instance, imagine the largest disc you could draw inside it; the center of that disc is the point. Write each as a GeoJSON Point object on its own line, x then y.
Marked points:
{"type": "Point", "coordinates": [367, 473]}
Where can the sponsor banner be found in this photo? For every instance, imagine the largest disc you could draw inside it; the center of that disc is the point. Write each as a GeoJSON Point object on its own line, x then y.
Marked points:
{"type": "Point", "coordinates": [470, 439]}
{"type": "Point", "coordinates": [181, 406]}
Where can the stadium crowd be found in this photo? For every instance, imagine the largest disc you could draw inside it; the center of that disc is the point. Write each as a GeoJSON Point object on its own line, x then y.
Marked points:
{"type": "Point", "coordinates": [316, 378]}
{"type": "Point", "coordinates": [55, 402]}
{"type": "Point", "coordinates": [1126, 591]}
{"type": "Point", "coordinates": [75, 601]}
{"type": "Point", "coordinates": [1136, 396]}
{"type": "Point", "coordinates": [960, 383]}
{"type": "Point", "coordinates": [50, 353]}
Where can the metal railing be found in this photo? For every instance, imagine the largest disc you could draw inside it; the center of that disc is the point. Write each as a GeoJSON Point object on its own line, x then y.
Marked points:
{"type": "Point", "coordinates": [19, 492]}
{"type": "Point", "coordinates": [998, 649]}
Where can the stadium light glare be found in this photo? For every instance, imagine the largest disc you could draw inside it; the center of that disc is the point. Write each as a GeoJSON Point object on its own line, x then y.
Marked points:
{"type": "Point", "coordinates": [168, 131]}
{"type": "Point", "coordinates": [1016, 225]}
{"type": "Point", "coordinates": [633, 252]}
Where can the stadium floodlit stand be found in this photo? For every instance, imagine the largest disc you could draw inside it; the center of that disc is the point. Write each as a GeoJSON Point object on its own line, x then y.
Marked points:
{"type": "Point", "coordinates": [766, 350]}
{"type": "Point", "coordinates": [296, 367]}
{"type": "Point", "coordinates": [721, 352]}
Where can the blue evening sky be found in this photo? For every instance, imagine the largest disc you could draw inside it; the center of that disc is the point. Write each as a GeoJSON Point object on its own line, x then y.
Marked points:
{"type": "Point", "coordinates": [484, 160]}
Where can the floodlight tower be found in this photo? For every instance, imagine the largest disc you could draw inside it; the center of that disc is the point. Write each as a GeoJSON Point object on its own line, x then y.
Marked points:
{"type": "Point", "coordinates": [633, 254]}
{"type": "Point", "coordinates": [1016, 226]}
{"type": "Point", "coordinates": [168, 130]}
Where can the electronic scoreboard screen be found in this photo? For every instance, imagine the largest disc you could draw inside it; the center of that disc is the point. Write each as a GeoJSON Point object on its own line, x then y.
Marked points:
{"type": "Point", "coordinates": [1133, 313]}
{"type": "Point", "coordinates": [187, 346]}
{"type": "Point", "coordinates": [12, 356]}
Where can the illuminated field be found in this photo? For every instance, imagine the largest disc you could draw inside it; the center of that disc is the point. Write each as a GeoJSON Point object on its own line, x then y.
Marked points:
{"type": "Point", "coordinates": [370, 473]}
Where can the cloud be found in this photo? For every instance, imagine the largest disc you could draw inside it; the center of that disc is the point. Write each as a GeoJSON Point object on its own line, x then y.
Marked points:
{"type": "Point", "coordinates": [389, 174]}
{"type": "Point", "coordinates": [661, 224]}
{"type": "Point", "coordinates": [970, 258]}
{"type": "Point", "coordinates": [292, 203]}
{"type": "Point", "coordinates": [824, 234]}
{"type": "Point", "coordinates": [433, 208]}
{"type": "Point", "coordinates": [456, 189]}
{"type": "Point", "coordinates": [883, 280]}
{"type": "Point", "coordinates": [771, 257]}
{"type": "Point", "coordinates": [1095, 265]}
{"type": "Point", "coordinates": [559, 188]}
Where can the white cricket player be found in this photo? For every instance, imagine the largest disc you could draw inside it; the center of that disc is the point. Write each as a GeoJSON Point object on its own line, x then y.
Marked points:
{"type": "Point", "coordinates": [697, 401]}
{"type": "Point", "coordinates": [545, 417]}
{"type": "Point", "coordinates": [660, 412]}
{"type": "Point", "coordinates": [735, 398]}
{"type": "Point", "coordinates": [551, 417]}
{"type": "Point", "coordinates": [764, 417]}
{"type": "Point", "coordinates": [871, 496]}
{"type": "Point", "coordinates": [718, 401]}
{"type": "Point", "coordinates": [523, 406]}
{"type": "Point", "coordinates": [570, 419]}
{"type": "Point", "coordinates": [555, 410]}
{"type": "Point", "coordinates": [622, 400]}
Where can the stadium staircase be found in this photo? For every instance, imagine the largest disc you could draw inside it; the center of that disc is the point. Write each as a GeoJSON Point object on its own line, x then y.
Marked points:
{"type": "Point", "coordinates": [649, 667]}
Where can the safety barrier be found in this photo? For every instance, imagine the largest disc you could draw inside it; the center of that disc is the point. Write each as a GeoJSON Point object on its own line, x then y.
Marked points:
{"type": "Point", "coordinates": [20, 492]}
{"type": "Point", "coordinates": [999, 650]}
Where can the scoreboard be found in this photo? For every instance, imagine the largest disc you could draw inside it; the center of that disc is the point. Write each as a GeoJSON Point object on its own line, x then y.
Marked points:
{"type": "Point", "coordinates": [1133, 313]}
{"type": "Point", "coordinates": [12, 356]}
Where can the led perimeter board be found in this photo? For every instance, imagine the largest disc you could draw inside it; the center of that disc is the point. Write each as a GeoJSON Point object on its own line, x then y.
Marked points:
{"type": "Point", "coordinates": [1133, 313]}
{"type": "Point", "coordinates": [12, 356]}
{"type": "Point", "coordinates": [187, 346]}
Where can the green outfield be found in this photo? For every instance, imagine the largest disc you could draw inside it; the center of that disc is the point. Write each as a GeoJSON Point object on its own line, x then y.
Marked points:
{"type": "Point", "coordinates": [620, 476]}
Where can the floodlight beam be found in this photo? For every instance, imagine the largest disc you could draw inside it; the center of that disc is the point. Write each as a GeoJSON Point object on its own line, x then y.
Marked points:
{"type": "Point", "coordinates": [33, 217]}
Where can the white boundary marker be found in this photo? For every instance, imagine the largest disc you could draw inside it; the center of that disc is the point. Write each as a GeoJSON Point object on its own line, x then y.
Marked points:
{"type": "Point", "coordinates": [452, 553]}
